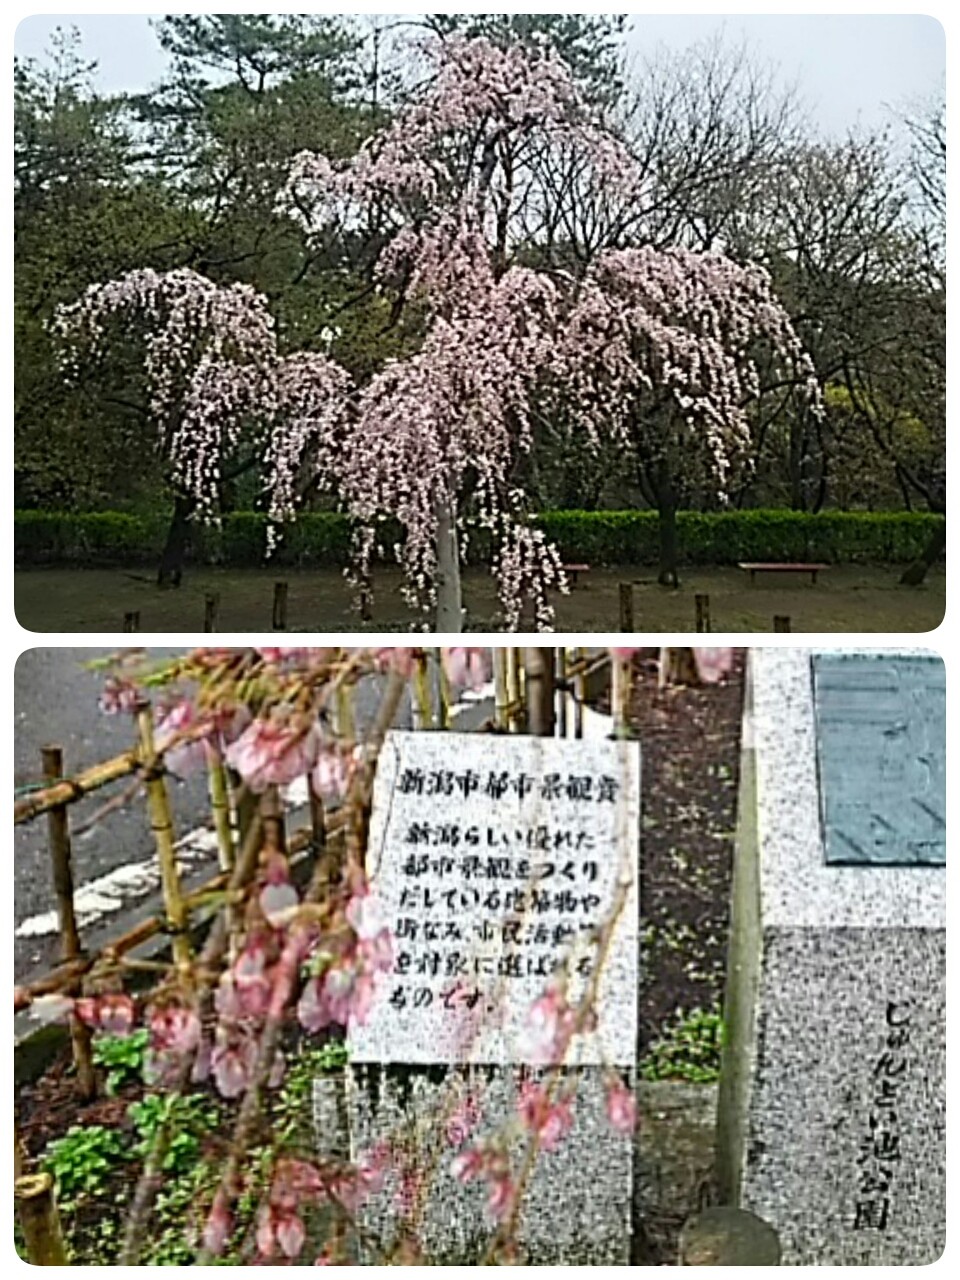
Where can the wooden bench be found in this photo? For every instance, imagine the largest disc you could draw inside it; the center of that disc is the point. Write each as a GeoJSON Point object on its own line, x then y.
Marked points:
{"type": "Point", "coordinates": [573, 571]}
{"type": "Point", "coordinates": [812, 569]}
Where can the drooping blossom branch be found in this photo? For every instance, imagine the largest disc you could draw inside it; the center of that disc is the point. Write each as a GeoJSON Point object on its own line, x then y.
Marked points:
{"type": "Point", "coordinates": [436, 438]}
{"type": "Point", "coordinates": [213, 373]}
{"type": "Point", "coordinates": [652, 328]}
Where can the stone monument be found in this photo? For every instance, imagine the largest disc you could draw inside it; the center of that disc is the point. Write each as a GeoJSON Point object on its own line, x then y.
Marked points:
{"type": "Point", "coordinates": [832, 1099]}
{"type": "Point", "coordinates": [506, 865]}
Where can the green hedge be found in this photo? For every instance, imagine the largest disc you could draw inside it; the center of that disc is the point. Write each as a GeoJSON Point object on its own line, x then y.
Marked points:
{"type": "Point", "coordinates": [322, 539]}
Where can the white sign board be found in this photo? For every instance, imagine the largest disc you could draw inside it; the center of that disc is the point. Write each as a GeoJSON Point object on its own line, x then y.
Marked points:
{"type": "Point", "coordinates": [507, 866]}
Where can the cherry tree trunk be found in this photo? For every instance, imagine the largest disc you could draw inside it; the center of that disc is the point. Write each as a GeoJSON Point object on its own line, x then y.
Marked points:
{"type": "Point", "coordinates": [915, 573]}
{"type": "Point", "coordinates": [175, 548]}
{"type": "Point", "coordinates": [449, 595]}
{"type": "Point", "coordinates": [667, 509]}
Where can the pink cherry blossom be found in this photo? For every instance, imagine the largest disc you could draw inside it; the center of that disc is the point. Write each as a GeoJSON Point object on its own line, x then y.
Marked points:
{"type": "Point", "coordinates": [112, 1014]}
{"type": "Point", "coordinates": [233, 1060]}
{"type": "Point", "coordinates": [713, 664]}
{"type": "Point", "coordinates": [547, 1029]}
{"type": "Point", "coordinates": [274, 751]}
{"type": "Point", "coordinates": [621, 1107]}
{"type": "Point", "coordinates": [332, 772]}
{"type": "Point", "coordinates": [464, 1120]}
{"type": "Point", "coordinates": [278, 897]}
{"type": "Point", "coordinates": [550, 1119]}
{"type": "Point", "coordinates": [467, 668]}
{"type": "Point", "coordinates": [219, 1225]}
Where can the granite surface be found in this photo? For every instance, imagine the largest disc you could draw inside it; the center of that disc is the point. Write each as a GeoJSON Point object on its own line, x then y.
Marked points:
{"type": "Point", "coordinates": [577, 1205]}
{"type": "Point", "coordinates": [834, 1129]}
{"type": "Point", "coordinates": [845, 1151]}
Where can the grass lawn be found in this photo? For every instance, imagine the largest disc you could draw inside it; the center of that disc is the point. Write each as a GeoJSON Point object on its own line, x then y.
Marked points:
{"type": "Point", "coordinates": [845, 598]}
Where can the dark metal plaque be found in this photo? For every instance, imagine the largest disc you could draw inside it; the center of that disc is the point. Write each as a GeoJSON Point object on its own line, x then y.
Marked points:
{"type": "Point", "coordinates": [881, 751]}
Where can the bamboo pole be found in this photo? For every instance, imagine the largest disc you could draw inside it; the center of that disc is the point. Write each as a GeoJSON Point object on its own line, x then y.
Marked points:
{"type": "Point", "coordinates": [161, 822]}
{"type": "Point", "coordinates": [58, 827]}
{"type": "Point", "coordinates": [422, 703]}
{"type": "Point", "coordinates": [40, 1221]}
{"type": "Point", "coordinates": [514, 700]}
{"type": "Point", "coordinates": [539, 667]}
{"type": "Point", "coordinates": [620, 695]}
{"type": "Point", "coordinates": [220, 809]}
{"type": "Point", "coordinates": [501, 696]}
{"type": "Point", "coordinates": [561, 684]}
{"type": "Point", "coordinates": [272, 817]}
{"type": "Point", "coordinates": [579, 693]}
{"type": "Point", "coordinates": [444, 696]}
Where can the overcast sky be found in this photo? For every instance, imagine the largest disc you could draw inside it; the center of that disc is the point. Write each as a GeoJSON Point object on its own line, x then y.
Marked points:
{"type": "Point", "coordinates": [849, 69]}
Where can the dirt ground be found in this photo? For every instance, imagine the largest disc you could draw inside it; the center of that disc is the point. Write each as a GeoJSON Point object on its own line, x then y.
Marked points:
{"type": "Point", "coordinates": [845, 598]}
{"type": "Point", "coordinates": [690, 755]}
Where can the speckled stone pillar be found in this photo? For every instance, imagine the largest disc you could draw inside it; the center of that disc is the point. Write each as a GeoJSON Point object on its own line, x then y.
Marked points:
{"type": "Point", "coordinates": [500, 863]}
{"type": "Point", "coordinates": [832, 1103]}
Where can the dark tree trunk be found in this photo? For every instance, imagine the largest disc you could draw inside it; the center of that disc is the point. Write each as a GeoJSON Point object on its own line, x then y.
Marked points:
{"type": "Point", "coordinates": [915, 573]}
{"type": "Point", "coordinates": [667, 508]}
{"type": "Point", "coordinates": [175, 548]}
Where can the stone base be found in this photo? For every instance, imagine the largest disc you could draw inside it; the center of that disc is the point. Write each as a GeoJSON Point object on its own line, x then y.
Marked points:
{"type": "Point", "coordinates": [577, 1206]}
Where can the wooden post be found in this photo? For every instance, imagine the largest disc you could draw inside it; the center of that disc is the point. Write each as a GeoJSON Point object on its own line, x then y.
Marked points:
{"type": "Point", "coordinates": [40, 1221]}
{"type": "Point", "coordinates": [366, 597]}
{"type": "Point", "coordinates": [781, 623]}
{"type": "Point", "coordinates": [58, 829]}
{"type": "Point", "coordinates": [541, 711]}
{"type": "Point", "coordinates": [161, 821]}
{"type": "Point", "coordinates": [626, 606]}
{"type": "Point", "coordinates": [131, 621]}
{"type": "Point", "coordinates": [620, 674]}
{"type": "Point", "coordinates": [211, 609]}
{"type": "Point", "coordinates": [728, 1237]}
{"type": "Point", "coordinates": [702, 604]}
{"type": "Point", "coordinates": [280, 606]}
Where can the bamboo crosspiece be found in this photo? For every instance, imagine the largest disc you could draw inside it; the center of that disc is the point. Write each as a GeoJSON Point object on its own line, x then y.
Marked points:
{"type": "Point", "coordinates": [161, 823]}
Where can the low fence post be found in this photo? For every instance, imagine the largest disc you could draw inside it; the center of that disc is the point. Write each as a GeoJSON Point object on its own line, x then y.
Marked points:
{"type": "Point", "coordinates": [280, 606]}
{"type": "Point", "coordinates": [211, 609]}
{"type": "Point", "coordinates": [781, 623]}
{"type": "Point", "coordinates": [702, 604]}
{"type": "Point", "coordinates": [131, 621]}
{"type": "Point", "coordinates": [626, 607]}
{"type": "Point", "coordinates": [58, 834]}
{"type": "Point", "coordinates": [727, 1237]}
